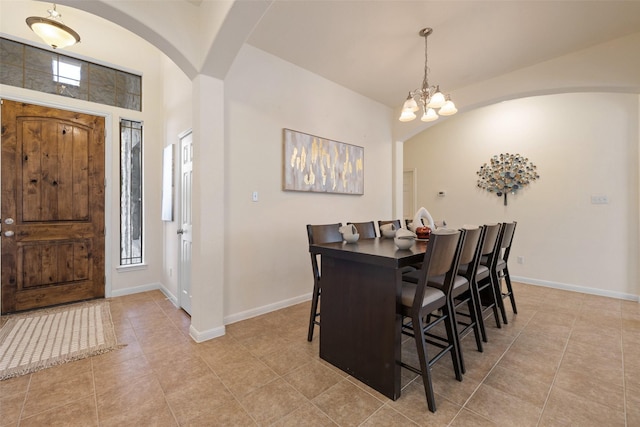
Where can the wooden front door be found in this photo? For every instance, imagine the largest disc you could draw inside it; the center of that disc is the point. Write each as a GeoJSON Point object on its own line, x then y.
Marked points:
{"type": "Point", "coordinates": [52, 212]}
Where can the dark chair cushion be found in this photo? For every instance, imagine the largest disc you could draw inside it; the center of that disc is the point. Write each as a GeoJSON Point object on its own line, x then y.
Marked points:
{"type": "Point", "coordinates": [432, 296]}
{"type": "Point", "coordinates": [482, 272]}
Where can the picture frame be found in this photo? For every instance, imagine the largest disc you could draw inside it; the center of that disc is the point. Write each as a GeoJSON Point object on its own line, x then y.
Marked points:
{"type": "Point", "coordinates": [167, 183]}
{"type": "Point", "coordinates": [321, 165]}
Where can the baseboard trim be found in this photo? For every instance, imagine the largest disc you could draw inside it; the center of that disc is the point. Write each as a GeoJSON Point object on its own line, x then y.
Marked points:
{"type": "Point", "coordinates": [244, 315]}
{"type": "Point", "coordinates": [576, 288]}
{"type": "Point", "coordinates": [199, 336]}
{"type": "Point", "coordinates": [145, 288]}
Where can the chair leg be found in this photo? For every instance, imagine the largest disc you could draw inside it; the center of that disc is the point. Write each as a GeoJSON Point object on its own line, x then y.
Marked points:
{"type": "Point", "coordinates": [478, 308]}
{"type": "Point", "coordinates": [476, 320]}
{"type": "Point", "coordinates": [456, 353]}
{"type": "Point", "coordinates": [507, 280]}
{"type": "Point", "coordinates": [497, 282]}
{"type": "Point", "coordinates": [489, 289]}
{"type": "Point", "coordinates": [456, 337]}
{"type": "Point", "coordinates": [421, 346]}
{"type": "Point", "coordinates": [314, 310]}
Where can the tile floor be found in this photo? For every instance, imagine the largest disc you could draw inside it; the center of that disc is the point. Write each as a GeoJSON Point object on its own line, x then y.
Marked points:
{"type": "Point", "coordinates": [565, 359]}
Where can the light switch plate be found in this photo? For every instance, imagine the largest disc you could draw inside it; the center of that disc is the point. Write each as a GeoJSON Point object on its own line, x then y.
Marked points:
{"type": "Point", "coordinates": [599, 199]}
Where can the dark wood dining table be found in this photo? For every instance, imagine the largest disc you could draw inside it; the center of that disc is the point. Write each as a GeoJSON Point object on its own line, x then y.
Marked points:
{"type": "Point", "coordinates": [360, 330]}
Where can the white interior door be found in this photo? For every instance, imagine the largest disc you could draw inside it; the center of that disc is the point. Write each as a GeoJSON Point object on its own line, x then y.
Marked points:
{"type": "Point", "coordinates": [185, 233]}
{"type": "Point", "coordinates": [409, 195]}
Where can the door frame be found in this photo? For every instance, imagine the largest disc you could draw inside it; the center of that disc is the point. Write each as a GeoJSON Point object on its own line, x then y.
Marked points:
{"type": "Point", "coordinates": [178, 210]}
{"type": "Point", "coordinates": [414, 184]}
{"type": "Point", "coordinates": [108, 173]}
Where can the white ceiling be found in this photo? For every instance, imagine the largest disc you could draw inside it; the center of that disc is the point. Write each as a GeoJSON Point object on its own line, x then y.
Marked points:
{"type": "Point", "coordinates": [373, 47]}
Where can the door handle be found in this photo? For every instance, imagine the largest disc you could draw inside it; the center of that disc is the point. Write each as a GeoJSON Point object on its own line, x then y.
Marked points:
{"type": "Point", "coordinates": [8, 233]}
{"type": "Point", "coordinates": [180, 231]}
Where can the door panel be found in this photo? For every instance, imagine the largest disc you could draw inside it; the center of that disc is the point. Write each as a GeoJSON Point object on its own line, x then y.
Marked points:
{"type": "Point", "coordinates": [186, 238]}
{"type": "Point", "coordinates": [53, 190]}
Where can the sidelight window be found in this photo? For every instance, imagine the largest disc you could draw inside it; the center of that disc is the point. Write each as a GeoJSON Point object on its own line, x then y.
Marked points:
{"type": "Point", "coordinates": [130, 192]}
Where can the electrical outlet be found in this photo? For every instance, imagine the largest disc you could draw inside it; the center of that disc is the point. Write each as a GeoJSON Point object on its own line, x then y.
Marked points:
{"type": "Point", "coordinates": [599, 199]}
{"type": "Point", "coordinates": [254, 196]}
{"type": "Point", "coordinates": [520, 260]}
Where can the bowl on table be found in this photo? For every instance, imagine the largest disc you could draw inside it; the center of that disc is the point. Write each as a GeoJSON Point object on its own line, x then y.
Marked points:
{"type": "Point", "coordinates": [404, 242]}
{"type": "Point", "coordinates": [404, 238]}
{"type": "Point", "coordinates": [351, 238]}
{"type": "Point", "coordinates": [388, 231]}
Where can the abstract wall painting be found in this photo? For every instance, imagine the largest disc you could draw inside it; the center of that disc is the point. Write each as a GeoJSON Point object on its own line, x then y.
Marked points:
{"type": "Point", "coordinates": [321, 165]}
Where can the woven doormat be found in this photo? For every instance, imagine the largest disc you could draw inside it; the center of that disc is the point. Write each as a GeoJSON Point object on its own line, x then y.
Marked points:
{"type": "Point", "coordinates": [43, 338]}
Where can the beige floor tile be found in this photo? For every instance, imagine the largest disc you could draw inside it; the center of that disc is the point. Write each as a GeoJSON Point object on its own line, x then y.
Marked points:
{"type": "Point", "coordinates": [81, 413]}
{"type": "Point", "coordinates": [228, 415]}
{"type": "Point", "coordinates": [313, 378]}
{"type": "Point", "coordinates": [633, 413]}
{"type": "Point", "coordinates": [413, 405]}
{"type": "Point", "coordinates": [519, 384]}
{"type": "Point", "coordinates": [564, 408]}
{"type": "Point", "coordinates": [272, 401]}
{"type": "Point", "coordinates": [468, 418]}
{"type": "Point", "coordinates": [245, 374]}
{"type": "Point", "coordinates": [373, 392]}
{"type": "Point", "coordinates": [539, 364]}
{"type": "Point", "coordinates": [11, 407]}
{"type": "Point", "coordinates": [346, 404]}
{"type": "Point", "coordinates": [264, 344]}
{"type": "Point", "coordinates": [502, 408]}
{"type": "Point", "coordinates": [198, 398]}
{"type": "Point", "coordinates": [179, 371]}
{"type": "Point", "coordinates": [131, 350]}
{"type": "Point", "coordinates": [15, 385]}
{"type": "Point", "coordinates": [118, 374]}
{"type": "Point", "coordinates": [446, 385]}
{"type": "Point", "coordinates": [388, 417]}
{"type": "Point", "coordinates": [219, 351]}
{"type": "Point", "coordinates": [51, 391]}
{"type": "Point", "coordinates": [632, 386]}
{"type": "Point", "coordinates": [287, 359]}
{"type": "Point", "coordinates": [308, 415]}
{"type": "Point", "coordinates": [138, 402]}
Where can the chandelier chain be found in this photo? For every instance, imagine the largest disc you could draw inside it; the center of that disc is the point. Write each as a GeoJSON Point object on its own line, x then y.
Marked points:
{"type": "Point", "coordinates": [425, 78]}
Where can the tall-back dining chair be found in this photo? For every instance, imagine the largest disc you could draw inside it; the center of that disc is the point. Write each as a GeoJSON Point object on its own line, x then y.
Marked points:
{"type": "Point", "coordinates": [463, 293]}
{"type": "Point", "coordinates": [419, 301]}
{"type": "Point", "coordinates": [485, 288]}
{"type": "Point", "coordinates": [366, 230]}
{"type": "Point", "coordinates": [500, 268]}
{"type": "Point", "coordinates": [325, 233]}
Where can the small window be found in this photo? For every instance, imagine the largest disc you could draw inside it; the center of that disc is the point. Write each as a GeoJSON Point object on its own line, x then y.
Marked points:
{"type": "Point", "coordinates": [66, 73]}
{"type": "Point", "coordinates": [130, 192]}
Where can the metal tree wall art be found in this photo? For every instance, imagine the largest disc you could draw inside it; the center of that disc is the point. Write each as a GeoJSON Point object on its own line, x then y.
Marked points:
{"type": "Point", "coordinates": [506, 173]}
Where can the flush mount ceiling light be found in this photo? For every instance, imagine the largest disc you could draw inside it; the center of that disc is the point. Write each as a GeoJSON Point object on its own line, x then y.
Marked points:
{"type": "Point", "coordinates": [428, 97]}
{"type": "Point", "coordinates": [52, 30]}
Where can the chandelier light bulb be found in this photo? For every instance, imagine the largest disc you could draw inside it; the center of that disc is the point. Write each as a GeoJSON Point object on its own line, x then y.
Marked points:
{"type": "Point", "coordinates": [437, 100]}
{"type": "Point", "coordinates": [410, 104]}
{"type": "Point", "coordinates": [429, 115]}
{"type": "Point", "coordinates": [448, 109]}
{"type": "Point", "coordinates": [407, 116]}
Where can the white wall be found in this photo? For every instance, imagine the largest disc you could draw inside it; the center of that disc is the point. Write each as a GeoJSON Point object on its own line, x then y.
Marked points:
{"type": "Point", "coordinates": [266, 249]}
{"type": "Point", "coordinates": [177, 119]}
{"type": "Point", "coordinates": [583, 144]}
{"type": "Point", "coordinates": [121, 49]}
